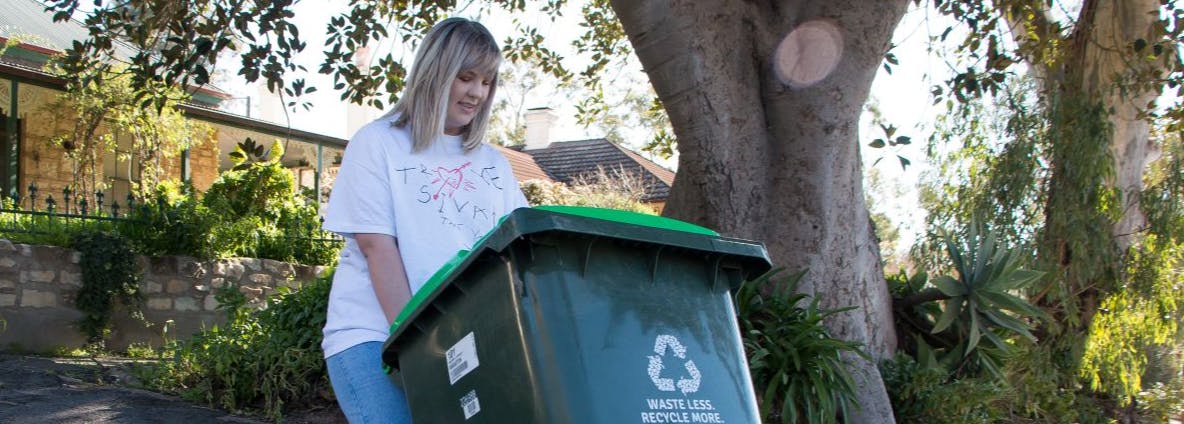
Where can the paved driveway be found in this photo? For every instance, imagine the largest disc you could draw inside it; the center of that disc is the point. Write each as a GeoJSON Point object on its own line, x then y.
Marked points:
{"type": "Point", "coordinates": [83, 390]}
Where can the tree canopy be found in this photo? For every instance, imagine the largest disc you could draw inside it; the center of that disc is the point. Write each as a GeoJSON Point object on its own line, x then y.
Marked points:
{"type": "Point", "coordinates": [179, 43]}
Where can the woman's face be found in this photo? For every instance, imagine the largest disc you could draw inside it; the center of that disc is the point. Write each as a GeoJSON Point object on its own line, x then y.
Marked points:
{"type": "Point", "coordinates": [468, 93]}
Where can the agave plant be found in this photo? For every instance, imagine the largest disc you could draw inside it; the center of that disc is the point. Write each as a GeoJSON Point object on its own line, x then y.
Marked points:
{"type": "Point", "coordinates": [980, 301]}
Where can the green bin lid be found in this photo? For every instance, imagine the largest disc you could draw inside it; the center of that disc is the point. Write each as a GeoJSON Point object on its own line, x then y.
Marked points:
{"type": "Point", "coordinates": [587, 220]}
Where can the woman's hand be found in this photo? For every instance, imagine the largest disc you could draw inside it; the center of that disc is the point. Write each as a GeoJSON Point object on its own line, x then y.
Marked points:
{"type": "Point", "coordinates": [387, 274]}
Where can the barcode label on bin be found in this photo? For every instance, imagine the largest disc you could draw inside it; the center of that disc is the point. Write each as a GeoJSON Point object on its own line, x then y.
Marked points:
{"type": "Point", "coordinates": [470, 404]}
{"type": "Point", "coordinates": [462, 358]}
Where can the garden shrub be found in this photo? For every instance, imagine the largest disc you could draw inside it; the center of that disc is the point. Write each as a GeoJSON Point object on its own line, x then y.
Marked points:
{"type": "Point", "coordinates": [174, 220]}
{"type": "Point", "coordinates": [259, 191]}
{"type": "Point", "coordinates": [258, 188]}
{"type": "Point", "coordinates": [950, 376]}
{"type": "Point", "coordinates": [797, 367]}
{"type": "Point", "coordinates": [603, 189]}
{"type": "Point", "coordinates": [1162, 395]}
{"type": "Point", "coordinates": [1038, 393]}
{"type": "Point", "coordinates": [237, 236]}
{"type": "Point", "coordinates": [268, 359]}
{"type": "Point", "coordinates": [924, 394]}
{"type": "Point", "coordinates": [296, 236]}
{"type": "Point", "coordinates": [171, 222]}
{"type": "Point", "coordinates": [261, 214]}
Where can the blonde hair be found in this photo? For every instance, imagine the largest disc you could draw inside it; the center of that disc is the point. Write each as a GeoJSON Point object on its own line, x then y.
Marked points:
{"type": "Point", "coordinates": [452, 46]}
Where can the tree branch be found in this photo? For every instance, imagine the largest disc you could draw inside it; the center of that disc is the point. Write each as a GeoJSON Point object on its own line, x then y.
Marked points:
{"type": "Point", "coordinates": [927, 295]}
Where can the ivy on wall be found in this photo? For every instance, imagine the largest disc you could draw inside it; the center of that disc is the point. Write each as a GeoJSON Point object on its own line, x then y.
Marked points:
{"type": "Point", "coordinates": [109, 274]}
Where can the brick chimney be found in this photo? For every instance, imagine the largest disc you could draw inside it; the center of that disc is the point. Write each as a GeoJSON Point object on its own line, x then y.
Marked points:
{"type": "Point", "coordinates": [540, 124]}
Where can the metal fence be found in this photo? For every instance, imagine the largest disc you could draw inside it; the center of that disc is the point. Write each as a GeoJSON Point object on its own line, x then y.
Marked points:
{"type": "Point", "coordinates": [42, 214]}
{"type": "Point", "coordinates": [38, 214]}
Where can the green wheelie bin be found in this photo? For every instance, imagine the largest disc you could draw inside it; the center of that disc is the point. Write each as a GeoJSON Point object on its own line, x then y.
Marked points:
{"type": "Point", "coordinates": [581, 315]}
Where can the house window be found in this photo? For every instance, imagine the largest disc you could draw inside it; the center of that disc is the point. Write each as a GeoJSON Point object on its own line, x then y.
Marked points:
{"type": "Point", "coordinates": [121, 170]}
{"type": "Point", "coordinates": [10, 141]}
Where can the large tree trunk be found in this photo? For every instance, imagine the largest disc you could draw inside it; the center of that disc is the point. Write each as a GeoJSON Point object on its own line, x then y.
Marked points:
{"type": "Point", "coordinates": [1094, 70]}
{"type": "Point", "coordinates": [762, 161]}
{"type": "Point", "coordinates": [1107, 56]}
{"type": "Point", "coordinates": [1100, 143]}
{"type": "Point", "coordinates": [1098, 65]}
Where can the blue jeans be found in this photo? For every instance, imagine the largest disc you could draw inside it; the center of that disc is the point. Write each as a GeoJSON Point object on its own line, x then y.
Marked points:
{"type": "Point", "coordinates": [365, 393]}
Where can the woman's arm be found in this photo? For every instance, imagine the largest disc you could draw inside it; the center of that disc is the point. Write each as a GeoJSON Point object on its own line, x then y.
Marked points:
{"type": "Point", "coordinates": [387, 274]}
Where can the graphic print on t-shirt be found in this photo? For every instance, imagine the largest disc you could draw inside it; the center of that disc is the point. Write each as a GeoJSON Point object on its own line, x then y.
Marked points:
{"type": "Point", "coordinates": [450, 180]}
{"type": "Point", "coordinates": [458, 194]}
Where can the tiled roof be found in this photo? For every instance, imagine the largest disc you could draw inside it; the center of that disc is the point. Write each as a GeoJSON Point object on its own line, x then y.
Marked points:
{"type": "Point", "coordinates": [28, 21]}
{"type": "Point", "coordinates": [30, 75]}
{"type": "Point", "coordinates": [23, 72]}
{"type": "Point", "coordinates": [523, 165]}
{"type": "Point", "coordinates": [568, 160]}
{"type": "Point", "coordinates": [663, 174]}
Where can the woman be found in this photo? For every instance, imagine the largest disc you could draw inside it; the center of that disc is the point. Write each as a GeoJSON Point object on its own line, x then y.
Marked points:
{"type": "Point", "coordinates": [414, 187]}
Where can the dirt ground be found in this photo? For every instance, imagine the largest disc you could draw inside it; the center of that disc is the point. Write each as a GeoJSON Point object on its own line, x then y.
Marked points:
{"type": "Point", "coordinates": [83, 390]}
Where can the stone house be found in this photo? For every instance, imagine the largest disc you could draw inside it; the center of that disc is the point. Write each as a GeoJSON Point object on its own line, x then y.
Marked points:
{"type": "Point", "coordinates": [26, 123]}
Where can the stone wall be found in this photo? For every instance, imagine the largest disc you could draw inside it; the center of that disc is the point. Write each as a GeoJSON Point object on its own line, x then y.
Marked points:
{"type": "Point", "coordinates": [38, 285]}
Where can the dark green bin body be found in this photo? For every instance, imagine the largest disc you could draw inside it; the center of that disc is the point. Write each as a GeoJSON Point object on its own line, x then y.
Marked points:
{"type": "Point", "coordinates": [573, 319]}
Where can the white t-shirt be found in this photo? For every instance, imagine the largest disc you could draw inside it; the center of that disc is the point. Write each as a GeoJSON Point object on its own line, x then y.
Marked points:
{"type": "Point", "coordinates": [435, 202]}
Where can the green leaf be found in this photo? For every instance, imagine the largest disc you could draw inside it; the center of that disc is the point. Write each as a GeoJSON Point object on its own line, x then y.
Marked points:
{"type": "Point", "coordinates": [955, 254]}
{"type": "Point", "coordinates": [918, 280]}
{"type": "Point", "coordinates": [953, 308]}
{"type": "Point", "coordinates": [949, 286]}
{"type": "Point", "coordinates": [982, 255]}
{"type": "Point", "coordinates": [1003, 263]}
{"type": "Point", "coordinates": [972, 340]}
{"type": "Point", "coordinates": [925, 355]}
{"type": "Point", "coordinates": [1010, 323]}
{"type": "Point", "coordinates": [877, 143]}
{"type": "Point", "coordinates": [1012, 303]}
{"type": "Point", "coordinates": [996, 341]}
{"type": "Point", "coordinates": [1015, 280]}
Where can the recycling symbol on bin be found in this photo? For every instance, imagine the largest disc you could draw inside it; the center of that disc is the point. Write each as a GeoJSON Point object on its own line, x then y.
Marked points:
{"type": "Point", "coordinates": [688, 383]}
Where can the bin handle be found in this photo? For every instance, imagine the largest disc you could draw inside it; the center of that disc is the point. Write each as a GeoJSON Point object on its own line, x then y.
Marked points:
{"type": "Point", "coordinates": [587, 257]}
{"type": "Point", "coordinates": [715, 271]}
{"type": "Point", "coordinates": [654, 268]}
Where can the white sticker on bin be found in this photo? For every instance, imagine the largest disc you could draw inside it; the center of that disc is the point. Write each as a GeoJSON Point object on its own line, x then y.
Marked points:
{"type": "Point", "coordinates": [470, 404]}
{"type": "Point", "coordinates": [462, 358]}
